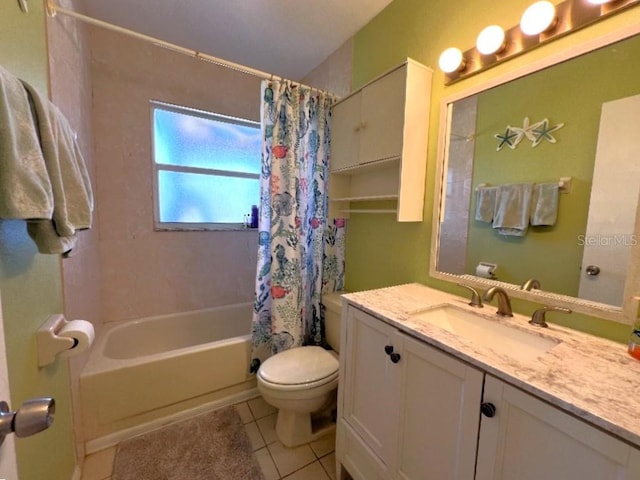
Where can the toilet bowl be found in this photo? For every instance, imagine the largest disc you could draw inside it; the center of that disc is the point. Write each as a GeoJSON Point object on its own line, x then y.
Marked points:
{"type": "Point", "coordinates": [301, 383]}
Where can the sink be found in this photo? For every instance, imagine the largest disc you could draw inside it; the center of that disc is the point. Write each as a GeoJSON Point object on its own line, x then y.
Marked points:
{"type": "Point", "coordinates": [482, 331]}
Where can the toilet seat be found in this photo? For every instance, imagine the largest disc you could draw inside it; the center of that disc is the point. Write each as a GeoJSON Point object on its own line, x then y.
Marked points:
{"type": "Point", "coordinates": [300, 367]}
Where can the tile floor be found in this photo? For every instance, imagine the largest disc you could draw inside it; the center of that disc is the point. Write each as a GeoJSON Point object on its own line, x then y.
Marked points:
{"type": "Point", "coordinates": [314, 461]}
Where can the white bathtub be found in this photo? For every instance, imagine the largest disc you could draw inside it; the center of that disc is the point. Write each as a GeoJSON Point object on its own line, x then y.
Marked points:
{"type": "Point", "coordinates": [142, 370]}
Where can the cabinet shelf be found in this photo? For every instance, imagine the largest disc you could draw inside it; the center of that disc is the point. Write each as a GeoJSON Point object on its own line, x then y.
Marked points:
{"type": "Point", "coordinates": [365, 198]}
{"type": "Point", "coordinates": [369, 210]}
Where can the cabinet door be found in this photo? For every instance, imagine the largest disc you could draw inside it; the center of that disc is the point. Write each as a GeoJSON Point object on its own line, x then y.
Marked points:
{"type": "Point", "coordinates": [439, 415]}
{"type": "Point", "coordinates": [382, 118]}
{"type": "Point", "coordinates": [528, 439]}
{"type": "Point", "coordinates": [345, 133]}
{"type": "Point", "coordinates": [371, 382]}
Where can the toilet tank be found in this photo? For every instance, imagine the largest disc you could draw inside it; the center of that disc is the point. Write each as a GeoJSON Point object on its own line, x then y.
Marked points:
{"type": "Point", "coordinates": [332, 316]}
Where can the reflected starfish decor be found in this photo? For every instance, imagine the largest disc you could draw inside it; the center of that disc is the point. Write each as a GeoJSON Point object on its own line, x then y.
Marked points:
{"type": "Point", "coordinates": [535, 133]}
{"type": "Point", "coordinates": [510, 138]}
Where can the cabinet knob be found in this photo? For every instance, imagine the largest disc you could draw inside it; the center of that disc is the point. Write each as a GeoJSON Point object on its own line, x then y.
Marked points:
{"type": "Point", "coordinates": [395, 357]}
{"type": "Point", "coordinates": [488, 409]}
{"type": "Point", "coordinates": [388, 349]}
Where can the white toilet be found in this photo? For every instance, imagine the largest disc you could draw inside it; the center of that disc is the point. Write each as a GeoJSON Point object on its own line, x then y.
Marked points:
{"type": "Point", "coordinates": [302, 383]}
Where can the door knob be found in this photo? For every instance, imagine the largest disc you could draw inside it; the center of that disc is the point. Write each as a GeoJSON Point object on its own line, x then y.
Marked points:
{"type": "Point", "coordinates": [388, 349]}
{"type": "Point", "coordinates": [488, 409]}
{"type": "Point", "coordinates": [35, 415]}
{"type": "Point", "coordinates": [395, 357]}
{"type": "Point", "coordinates": [593, 270]}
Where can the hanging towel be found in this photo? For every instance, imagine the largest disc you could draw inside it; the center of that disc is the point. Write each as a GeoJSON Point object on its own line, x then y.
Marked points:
{"type": "Point", "coordinates": [544, 204]}
{"type": "Point", "coordinates": [70, 184]}
{"type": "Point", "coordinates": [485, 203]}
{"type": "Point", "coordinates": [25, 189]}
{"type": "Point", "coordinates": [511, 215]}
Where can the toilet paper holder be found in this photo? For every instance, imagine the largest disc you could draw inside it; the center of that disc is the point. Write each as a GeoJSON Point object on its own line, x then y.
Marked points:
{"type": "Point", "coordinates": [49, 343]}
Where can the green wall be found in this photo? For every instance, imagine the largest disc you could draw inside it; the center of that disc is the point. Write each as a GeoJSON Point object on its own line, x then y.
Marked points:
{"type": "Point", "coordinates": [30, 283]}
{"type": "Point", "coordinates": [381, 252]}
{"type": "Point", "coordinates": [548, 94]}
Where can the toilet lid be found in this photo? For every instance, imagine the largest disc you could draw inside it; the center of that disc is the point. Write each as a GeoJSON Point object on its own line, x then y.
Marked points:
{"type": "Point", "coordinates": [299, 365]}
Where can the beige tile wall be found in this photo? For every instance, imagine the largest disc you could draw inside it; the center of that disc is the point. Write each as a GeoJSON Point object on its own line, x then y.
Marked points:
{"type": "Point", "coordinates": [145, 272]}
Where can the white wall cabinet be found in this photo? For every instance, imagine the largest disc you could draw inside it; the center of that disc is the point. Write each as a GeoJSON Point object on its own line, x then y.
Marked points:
{"type": "Point", "coordinates": [409, 411]}
{"type": "Point", "coordinates": [379, 140]}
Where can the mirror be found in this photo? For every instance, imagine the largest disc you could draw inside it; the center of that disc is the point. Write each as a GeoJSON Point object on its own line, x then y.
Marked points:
{"type": "Point", "coordinates": [502, 136]}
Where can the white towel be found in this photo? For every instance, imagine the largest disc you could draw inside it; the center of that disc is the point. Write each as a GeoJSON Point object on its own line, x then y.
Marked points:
{"type": "Point", "coordinates": [70, 184]}
{"type": "Point", "coordinates": [25, 189]}
{"type": "Point", "coordinates": [544, 204]}
{"type": "Point", "coordinates": [511, 215]}
{"type": "Point", "coordinates": [485, 203]}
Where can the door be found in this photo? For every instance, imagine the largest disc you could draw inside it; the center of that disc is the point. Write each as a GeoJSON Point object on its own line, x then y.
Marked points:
{"type": "Point", "coordinates": [8, 466]}
{"type": "Point", "coordinates": [345, 133]}
{"type": "Point", "coordinates": [616, 182]}
{"type": "Point", "coordinates": [439, 415]}
{"type": "Point", "coordinates": [371, 382]}
{"type": "Point", "coordinates": [528, 439]}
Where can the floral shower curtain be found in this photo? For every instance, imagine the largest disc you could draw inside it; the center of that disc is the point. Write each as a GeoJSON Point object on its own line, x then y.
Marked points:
{"type": "Point", "coordinates": [298, 252]}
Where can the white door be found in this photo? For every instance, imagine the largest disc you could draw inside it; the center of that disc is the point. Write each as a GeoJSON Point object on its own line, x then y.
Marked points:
{"type": "Point", "coordinates": [528, 439]}
{"type": "Point", "coordinates": [439, 415]}
{"type": "Point", "coordinates": [616, 182]}
{"type": "Point", "coordinates": [8, 467]}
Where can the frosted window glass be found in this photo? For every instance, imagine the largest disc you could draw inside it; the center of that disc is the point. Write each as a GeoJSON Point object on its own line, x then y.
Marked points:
{"type": "Point", "coordinates": [208, 166]}
{"type": "Point", "coordinates": [194, 141]}
{"type": "Point", "coordinates": [197, 198]}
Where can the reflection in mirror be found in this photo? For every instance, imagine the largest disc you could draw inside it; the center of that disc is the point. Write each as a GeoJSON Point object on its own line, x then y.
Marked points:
{"type": "Point", "coordinates": [503, 158]}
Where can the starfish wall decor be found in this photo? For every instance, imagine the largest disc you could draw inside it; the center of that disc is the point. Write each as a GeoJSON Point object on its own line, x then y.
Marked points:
{"type": "Point", "coordinates": [535, 133]}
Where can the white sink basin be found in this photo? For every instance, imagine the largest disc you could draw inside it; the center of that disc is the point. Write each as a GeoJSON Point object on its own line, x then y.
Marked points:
{"type": "Point", "coordinates": [485, 332]}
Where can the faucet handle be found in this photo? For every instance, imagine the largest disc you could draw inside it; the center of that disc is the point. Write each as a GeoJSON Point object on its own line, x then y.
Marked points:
{"type": "Point", "coordinates": [476, 301]}
{"type": "Point", "coordinates": [538, 318]}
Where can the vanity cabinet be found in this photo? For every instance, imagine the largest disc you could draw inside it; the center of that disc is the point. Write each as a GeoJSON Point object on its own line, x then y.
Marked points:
{"type": "Point", "coordinates": [379, 143]}
{"type": "Point", "coordinates": [407, 410]}
{"type": "Point", "coordinates": [528, 438]}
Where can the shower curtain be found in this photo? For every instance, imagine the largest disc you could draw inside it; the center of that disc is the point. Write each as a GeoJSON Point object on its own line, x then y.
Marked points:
{"type": "Point", "coordinates": [298, 253]}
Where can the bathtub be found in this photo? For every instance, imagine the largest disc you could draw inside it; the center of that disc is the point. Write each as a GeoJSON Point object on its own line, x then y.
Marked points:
{"type": "Point", "coordinates": [143, 370]}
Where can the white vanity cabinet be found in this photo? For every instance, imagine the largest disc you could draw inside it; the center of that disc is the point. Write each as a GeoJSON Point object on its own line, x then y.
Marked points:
{"type": "Point", "coordinates": [408, 411]}
{"type": "Point", "coordinates": [379, 143]}
{"type": "Point", "coordinates": [530, 439]}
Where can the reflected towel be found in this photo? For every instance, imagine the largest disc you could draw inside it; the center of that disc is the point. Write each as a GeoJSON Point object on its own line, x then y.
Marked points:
{"type": "Point", "coordinates": [70, 184]}
{"type": "Point", "coordinates": [25, 189]}
{"type": "Point", "coordinates": [544, 204]}
{"type": "Point", "coordinates": [511, 215]}
{"type": "Point", "coordinates": [485, 203]}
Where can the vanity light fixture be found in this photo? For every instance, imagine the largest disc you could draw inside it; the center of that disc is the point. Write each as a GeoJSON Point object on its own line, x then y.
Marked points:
{"type": "Point", "coordinates": [540, 23]}
{"type": "Point", "coordinates": [451, 60]}
{"type": "Point", "coordinates": [491, 40]}
{"type": "Point", "coordinates": [538, 18]}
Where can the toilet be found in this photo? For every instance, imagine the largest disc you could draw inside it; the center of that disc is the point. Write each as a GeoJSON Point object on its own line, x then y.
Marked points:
{"type": "Point", "coordinates": [302, 383]}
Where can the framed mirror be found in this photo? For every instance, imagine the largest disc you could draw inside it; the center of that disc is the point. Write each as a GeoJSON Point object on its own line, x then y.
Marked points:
{"type": "Point", "coordinates": [557, 145]}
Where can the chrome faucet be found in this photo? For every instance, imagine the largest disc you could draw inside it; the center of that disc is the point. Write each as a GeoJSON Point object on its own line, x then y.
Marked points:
{"type": "Point", "coordinates": [538, 318]}
{"type": "Point", "coordinates": [504, 304]}
{"type": "Point", "coordinates": [531, 284]}
{"type": "Point", "coordinates": [476, 301]}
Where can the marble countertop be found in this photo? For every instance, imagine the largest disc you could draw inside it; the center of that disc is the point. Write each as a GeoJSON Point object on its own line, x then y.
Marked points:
{"type": "Point", "coordinates": [591, 377]}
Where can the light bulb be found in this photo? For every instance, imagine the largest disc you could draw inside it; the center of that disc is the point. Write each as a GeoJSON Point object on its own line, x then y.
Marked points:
{"type": "Point", "coordinates": [539, 17]}
{"type": "Point", "coordinates": [491, 40]}
{"type": "Point", "coordinates": [451, 60]}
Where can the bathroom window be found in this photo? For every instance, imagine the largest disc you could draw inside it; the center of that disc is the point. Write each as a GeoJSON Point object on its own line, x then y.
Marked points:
{"type": "Point", "coordinates": [206, 168]}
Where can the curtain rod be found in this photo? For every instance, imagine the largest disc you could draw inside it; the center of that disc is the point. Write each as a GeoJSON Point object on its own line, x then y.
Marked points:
{"type": "Point", "coordinates": [52, 9]}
